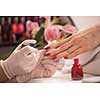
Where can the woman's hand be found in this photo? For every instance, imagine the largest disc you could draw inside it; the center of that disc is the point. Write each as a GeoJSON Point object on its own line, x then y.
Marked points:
{"type": "Point", "coordinates": [76, 44]}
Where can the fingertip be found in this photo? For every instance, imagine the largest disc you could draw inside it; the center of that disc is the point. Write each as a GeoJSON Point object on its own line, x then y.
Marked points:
{"type": "Point", "coordinates": [47, 54]}
{"type": "Point", "coordinates": [65, 57]}
{"type": "Point", "coordinates": [55, 59]}
{"type": "Point", "coordinates": [47, 47]}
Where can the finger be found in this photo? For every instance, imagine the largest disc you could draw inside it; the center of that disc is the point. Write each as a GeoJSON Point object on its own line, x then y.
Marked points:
{"type": "Point", "coordinates": [38, 72]}
{"type": "Point", "coordinates": [60, 42]}
{"type": "Point", "coordinates": [32, 57]}
{"type": "Point", "coordinates": [66, 53]}
{"type": "Point", "coordinates": [41, 53]}
{"type": "Point", "coordinates": [50, 62]}
{"type": "Point", "coordinates": [60, 49]}
{"type": "Point", "coordinates": [49, 70]}
{"type": "Point", "coordinates": [28, 50]}
{"type": "Point", "coordinates": [56, 44]}
{"type": "Point", "coordinates": [26, 42]}
{"type": "Point", "coordinates": [76, 53]}
{"type": "Point", "coordinates": [32, 61]}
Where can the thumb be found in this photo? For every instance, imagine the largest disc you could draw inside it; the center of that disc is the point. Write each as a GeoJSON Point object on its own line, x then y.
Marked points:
{"type": "Point", "coordinates": [26, 42]}
{"type": "Point", "coordinates": [28, 50]}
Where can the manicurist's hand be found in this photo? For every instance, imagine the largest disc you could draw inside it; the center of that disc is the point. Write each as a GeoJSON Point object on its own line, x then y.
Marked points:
{"type": "Point", "coordinates": [46, 67]}
{"type": "Point", "coordinates": [21, 61]}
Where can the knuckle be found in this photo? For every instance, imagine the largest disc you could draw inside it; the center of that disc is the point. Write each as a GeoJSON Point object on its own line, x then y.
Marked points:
{"type": "Point", "coordinates": [27, 48]}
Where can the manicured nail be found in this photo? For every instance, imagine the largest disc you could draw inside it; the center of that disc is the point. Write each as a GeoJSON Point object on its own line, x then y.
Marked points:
{"type": "Point", "coordinates": [54, 58]}
{"type": "Point", "coordinates": [40, 48]}
{"type": "Point", "coordinates": [47, 54]}
{"type": "Point", "coordinates": [65, 57]}
{"type": "Point", "coordinates": [48, 47]}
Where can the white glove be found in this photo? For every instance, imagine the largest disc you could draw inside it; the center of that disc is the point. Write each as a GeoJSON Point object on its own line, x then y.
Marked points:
{"type": "Point", "coordinates": [21, 61]}
{"type": "Point", "coordinates": [46, 69]}
{"type": "Point", "coordinates": [27, 77]}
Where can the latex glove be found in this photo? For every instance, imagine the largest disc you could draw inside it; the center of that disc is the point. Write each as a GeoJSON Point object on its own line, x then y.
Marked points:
{"type": "Point", "coordinates": [21, 61]}
{"type": "Point", "coordinates": [24, 78]}
{"type": "Point", "coordinates": [27, 77]}
{"type": "Point", "coordinates": [46, 67]}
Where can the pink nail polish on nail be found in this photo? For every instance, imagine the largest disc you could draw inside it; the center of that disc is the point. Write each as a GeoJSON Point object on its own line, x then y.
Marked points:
{"type": "Point", "coordinates": [65, 57]}
{"type": "Point", "coordinates": [47, 54]}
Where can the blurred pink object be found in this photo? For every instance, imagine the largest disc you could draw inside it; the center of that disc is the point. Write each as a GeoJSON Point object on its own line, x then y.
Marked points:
{"type": "Point", "coordinates": [14, 28]}
{"type": "Point", "coordinates": [35, 27]}
{"type": "Point", "coordinates": [32, 26]}
{"type": "Point", "coordinates": [20, 28]}
{"type": "Point", "coordinates": [29, 26]}
{"type": "Point", "coordinates": [12, 38]}
{"type": "Point", "coordinates": [69, 28]}
{"type": "Point", "coordinates": [26, 35]}
{"type": "Point", "coordinates": [56, 32]}
{"type": "Point", "coordinates": [52, 33]}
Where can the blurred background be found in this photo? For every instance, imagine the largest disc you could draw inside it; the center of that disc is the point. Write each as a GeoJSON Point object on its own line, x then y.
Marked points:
{"type": "Point", "coordinates": [15, 29]}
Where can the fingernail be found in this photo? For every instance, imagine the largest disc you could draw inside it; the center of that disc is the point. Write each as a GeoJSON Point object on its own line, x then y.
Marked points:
{"type": "Point", "coordinates": [48, 47]}
{"type": "Point", "coordinates": [47, 54]}
{"type": "Point", "coordinates": [65, 57]}
{"type": "Point", "coordinates": [40, 48]}
{"type": "Point", "coordinates": [54, 58]}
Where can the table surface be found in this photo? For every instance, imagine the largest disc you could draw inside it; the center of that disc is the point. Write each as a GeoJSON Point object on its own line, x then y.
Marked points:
{"type": "Point", "coordinates": [58, 77]}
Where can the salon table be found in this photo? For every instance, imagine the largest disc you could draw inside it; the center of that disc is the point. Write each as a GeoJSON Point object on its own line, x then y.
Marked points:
{"type": "Point", "coordinates": [58, 77]}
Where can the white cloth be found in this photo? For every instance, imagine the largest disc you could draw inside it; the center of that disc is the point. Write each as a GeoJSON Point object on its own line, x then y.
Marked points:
{"type": "Point", "coordinates": [93, 67]}
{"type": "Point", "coordinates": [83, 22]}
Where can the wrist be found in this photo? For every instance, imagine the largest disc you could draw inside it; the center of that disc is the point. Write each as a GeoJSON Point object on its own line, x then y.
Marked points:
{"type": "Point", "coordinates": [5, 68]}
{"type": "Point", "coordinates": [94, 33]}
{"type": "Point", "coordinates": [3, 76]}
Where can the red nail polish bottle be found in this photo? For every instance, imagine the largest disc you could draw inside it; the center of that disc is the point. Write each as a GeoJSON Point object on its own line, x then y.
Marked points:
{"type": "Point", "coordinates": [76, 71]}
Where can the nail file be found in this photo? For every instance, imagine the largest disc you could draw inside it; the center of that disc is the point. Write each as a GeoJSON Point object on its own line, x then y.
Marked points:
{"type": "Point", "coordinates": [94, 79]}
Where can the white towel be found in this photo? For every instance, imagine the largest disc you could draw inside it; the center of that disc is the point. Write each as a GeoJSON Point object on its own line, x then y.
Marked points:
{"type": "Point", "coordinates": [83, 22]}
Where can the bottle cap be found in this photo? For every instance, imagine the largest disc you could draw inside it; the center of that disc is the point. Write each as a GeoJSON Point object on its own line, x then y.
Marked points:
{"type": "Point", "coordinates": [76, 61]}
